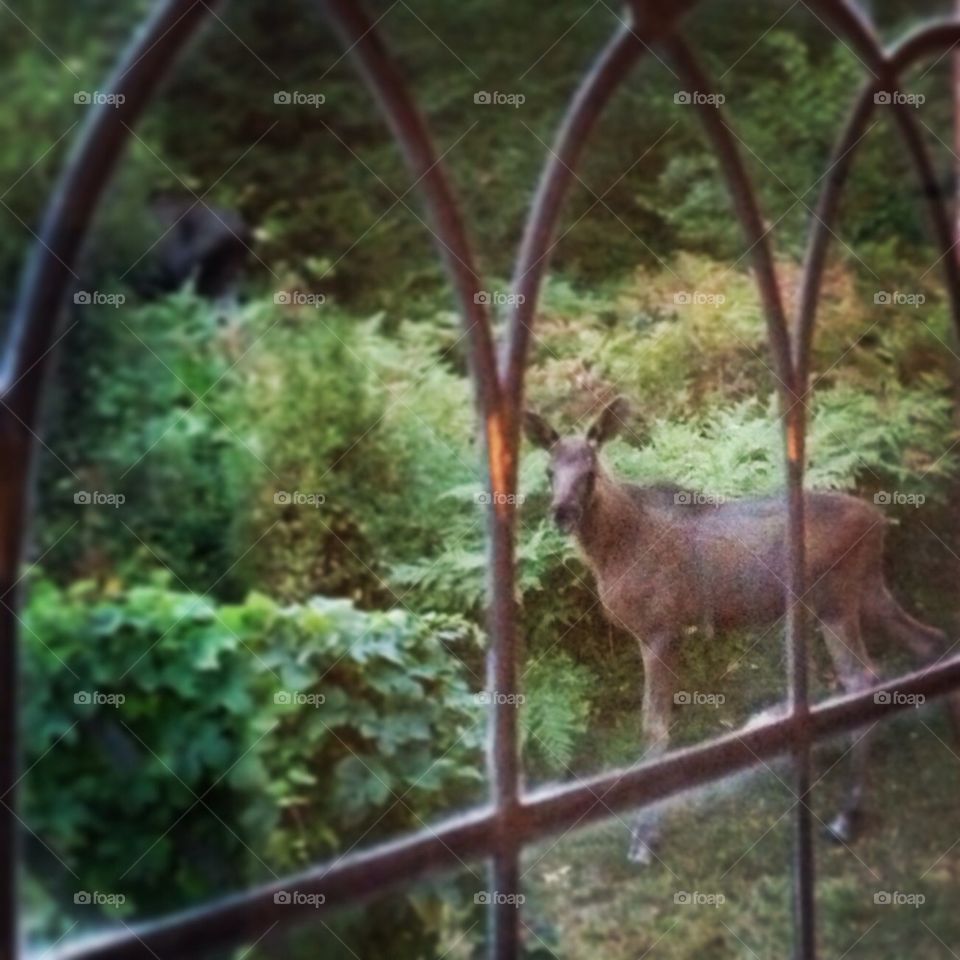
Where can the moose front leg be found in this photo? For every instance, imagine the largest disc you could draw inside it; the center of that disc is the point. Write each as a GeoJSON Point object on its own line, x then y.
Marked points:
{"type": "Point", "coordinates": [659, 680]}
{"type": "Point", "coordinates": [856, 672]}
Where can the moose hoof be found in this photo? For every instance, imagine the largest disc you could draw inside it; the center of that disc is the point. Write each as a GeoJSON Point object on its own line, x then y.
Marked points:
{"type": "Point", "coordinates": [844, 828]}
{"type": "Point", "coordinates": [641, 850]}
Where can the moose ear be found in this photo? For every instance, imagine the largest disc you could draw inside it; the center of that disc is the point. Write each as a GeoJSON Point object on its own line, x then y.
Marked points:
{"type": "Point", "coordinates": [608, 424]}
{"type": "Point", "coordinates": [538, 431]}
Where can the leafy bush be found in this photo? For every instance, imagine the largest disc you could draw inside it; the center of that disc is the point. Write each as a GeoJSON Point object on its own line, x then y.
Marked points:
{"type": "Point", "coordinates": [248, 738]}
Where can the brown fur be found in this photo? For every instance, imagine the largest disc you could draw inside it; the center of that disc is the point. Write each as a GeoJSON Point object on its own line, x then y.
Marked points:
{"type": "Point", "coordinates": [668, 562]}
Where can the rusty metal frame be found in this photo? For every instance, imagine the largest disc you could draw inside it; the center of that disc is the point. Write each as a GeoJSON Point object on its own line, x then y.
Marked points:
{"type": "Point", "coordinates": [513, 817]}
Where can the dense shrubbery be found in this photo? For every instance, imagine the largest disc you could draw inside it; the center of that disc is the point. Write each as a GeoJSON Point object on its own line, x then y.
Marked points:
{"type": "Point", "coordinates": [250, 739]}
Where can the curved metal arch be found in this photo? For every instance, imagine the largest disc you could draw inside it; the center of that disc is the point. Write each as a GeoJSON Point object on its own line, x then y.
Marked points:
{"type": "Point", "coordinates": [384, 80]}
{"type": "Point", "coordinates": [908, 52]}
{"type": "Point", "coordinates": [30, 338]}
{"type": "Point", "coordinates": [650, 22]}
{"type": "Point", "coordinates": [77, 197]}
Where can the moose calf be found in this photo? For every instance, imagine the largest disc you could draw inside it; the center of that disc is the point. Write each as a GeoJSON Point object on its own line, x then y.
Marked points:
{"type": "Point", "coordinates": [666, 562]}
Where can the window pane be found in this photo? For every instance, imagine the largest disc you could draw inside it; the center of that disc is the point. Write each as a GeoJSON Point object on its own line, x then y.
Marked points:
{"type": "Point", "coordinates": [716, 885]}
{"type": "Point", "coordinates": [891, 892]}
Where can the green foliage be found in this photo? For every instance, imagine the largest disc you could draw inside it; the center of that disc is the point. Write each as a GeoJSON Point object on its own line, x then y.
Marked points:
{"type": "Point", "coordinates": [556, 712]}
{"type": "Point", "coordinates": [247, 737]}
{"type": "Point", "coordinates": [139, 420]}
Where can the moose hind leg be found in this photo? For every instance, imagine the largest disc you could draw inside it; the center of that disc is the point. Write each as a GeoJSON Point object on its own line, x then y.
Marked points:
{"type": "Point", "coordinates": [856, 672]}
{"type": "Point", "coordinates": [659, 661]}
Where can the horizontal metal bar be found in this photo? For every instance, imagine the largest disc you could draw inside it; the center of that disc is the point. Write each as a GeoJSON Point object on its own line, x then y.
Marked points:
{"type": "Point", "coordinates": [245, 917]}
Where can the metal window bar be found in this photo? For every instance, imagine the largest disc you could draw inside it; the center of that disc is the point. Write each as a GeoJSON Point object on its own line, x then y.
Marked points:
{"type": "Point", "coordinates": [514, 818]}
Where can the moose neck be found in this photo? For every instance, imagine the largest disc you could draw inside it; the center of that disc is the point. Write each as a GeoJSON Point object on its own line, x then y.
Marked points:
{"type": "Point", "coordinates": [613, 526]}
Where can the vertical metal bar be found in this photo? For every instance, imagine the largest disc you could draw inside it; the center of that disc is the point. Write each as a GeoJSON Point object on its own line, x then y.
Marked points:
{"type": "Point", "coordinates": [26, 357]}
{"type": "Point", "coordinates": [793, 414]}
{"type": "Point", "coordinates": [585, 108]}
{"type": "Point", "coordinates": [386, 82]}
{"type": "Point", "coordinates": [14, 456]}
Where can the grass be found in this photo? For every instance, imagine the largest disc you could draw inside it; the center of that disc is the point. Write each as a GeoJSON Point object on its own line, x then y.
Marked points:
{"type": "Point", "coordinates": [586, 900]}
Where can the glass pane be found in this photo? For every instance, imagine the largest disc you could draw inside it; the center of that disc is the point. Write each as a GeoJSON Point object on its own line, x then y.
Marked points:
{"type": "Point", "coordinates": [717, 885]}
{"type": "Point", "coordinates": [891, 891]}
{"type": "Point", "coordinates": [437, 918]}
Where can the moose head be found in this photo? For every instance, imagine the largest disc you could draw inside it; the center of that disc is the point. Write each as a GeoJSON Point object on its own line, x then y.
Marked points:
{"type": "Point", "coordinates": [574, 462]}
